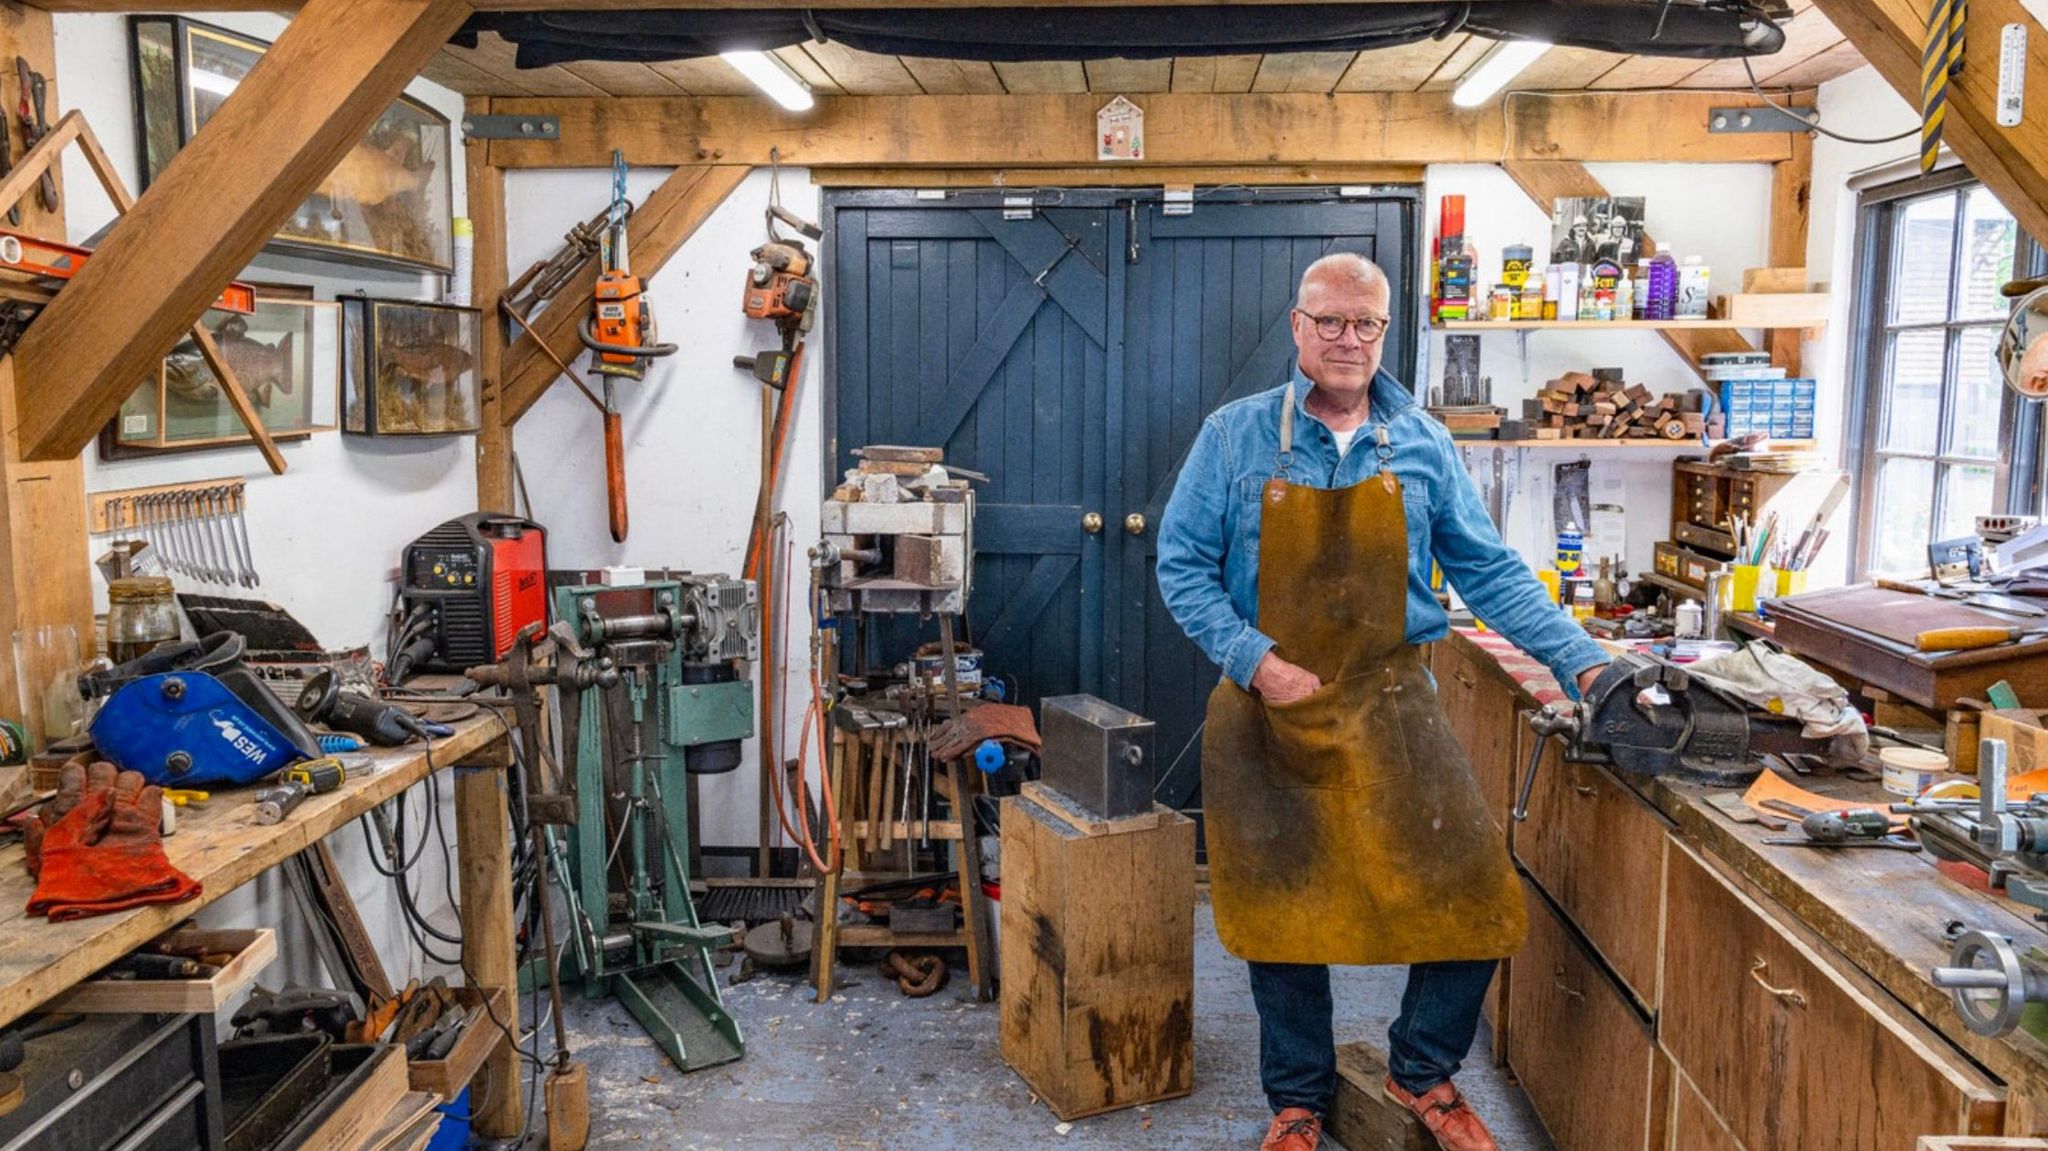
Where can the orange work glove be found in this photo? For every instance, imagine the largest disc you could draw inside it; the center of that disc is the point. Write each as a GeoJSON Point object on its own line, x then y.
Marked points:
{"type": "Point", "coordinates": [105, 853]}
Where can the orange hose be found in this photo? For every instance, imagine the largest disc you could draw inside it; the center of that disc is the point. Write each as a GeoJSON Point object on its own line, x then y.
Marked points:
{"type": "Point", "coordinates": [814, 717]}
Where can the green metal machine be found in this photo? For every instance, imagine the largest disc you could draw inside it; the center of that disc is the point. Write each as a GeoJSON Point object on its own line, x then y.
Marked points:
{"type": "Point", "coordinates": [681, 704]}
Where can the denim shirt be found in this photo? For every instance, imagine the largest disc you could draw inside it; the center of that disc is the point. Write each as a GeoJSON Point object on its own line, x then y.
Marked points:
{"type": "Point", "coordinates": [1209, 537]}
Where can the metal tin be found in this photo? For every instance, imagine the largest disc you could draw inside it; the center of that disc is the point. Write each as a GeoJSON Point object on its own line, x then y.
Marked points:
{"type": "Point", "coordinates": [1097, 754]}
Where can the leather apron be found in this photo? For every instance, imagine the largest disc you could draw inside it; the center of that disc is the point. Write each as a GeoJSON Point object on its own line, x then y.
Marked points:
{"type": "Point", "coordinates": [1346, 827]}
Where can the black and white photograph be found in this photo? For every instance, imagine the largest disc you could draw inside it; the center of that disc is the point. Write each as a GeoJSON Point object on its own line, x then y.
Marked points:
{"type": "Point", "coordinates": [1588, 228]}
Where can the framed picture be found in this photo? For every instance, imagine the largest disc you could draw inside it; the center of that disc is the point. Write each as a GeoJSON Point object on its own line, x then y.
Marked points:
{"type": "Point", "coordinates": [1587, 229]}
{"type": "Point", "coordinates": [408, 368]}
{"type": "Point", "coordinates": [389, 201]}
{"type": "Point", "coordinates": [287, 356]}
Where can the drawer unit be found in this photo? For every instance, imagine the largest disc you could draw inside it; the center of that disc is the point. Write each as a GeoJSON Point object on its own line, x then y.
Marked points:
{"type": "Point", "coordinates": [1694, 1126]}
{"type": "Point", "coordinates": [1582, 1053]}
{"type": "Point", "coordinates": [1786, 1051]}
{"type": "Point", "coordinates": [1481, 711]}
{"type": "Point", "coordinates": [1597, 850]}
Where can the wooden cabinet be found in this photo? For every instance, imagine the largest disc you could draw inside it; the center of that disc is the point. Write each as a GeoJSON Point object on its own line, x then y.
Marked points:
{"type": "Point", "coordinates": [1597, 849]}
{"type": "Point", "coordinates": [1585, 1057]}
{"type": "Point", "coordinates": [1694, 1126]}
{"type": "Point", "coordinates": [1481, 709]}
{"type": "Point", "coordinates": [1786, 1051]}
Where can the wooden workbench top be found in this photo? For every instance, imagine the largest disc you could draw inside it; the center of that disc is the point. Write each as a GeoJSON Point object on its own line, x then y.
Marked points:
{"type": "Point", "coordinates": [1884, 912]}
{"type": "Point", "coordinates": [222, 846]}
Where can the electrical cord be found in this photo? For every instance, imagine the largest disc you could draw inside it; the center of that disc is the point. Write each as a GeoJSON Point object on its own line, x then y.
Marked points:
{"type": "Point", "coordinates": [1815, 125]}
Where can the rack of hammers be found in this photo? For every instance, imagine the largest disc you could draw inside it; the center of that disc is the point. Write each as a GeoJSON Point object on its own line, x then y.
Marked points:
{"type": "Point", "coordinates": [199, 530]}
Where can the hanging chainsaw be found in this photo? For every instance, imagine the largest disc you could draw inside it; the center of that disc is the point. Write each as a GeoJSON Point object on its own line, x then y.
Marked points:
{"type": "Point", "coordinates": [619, 331]}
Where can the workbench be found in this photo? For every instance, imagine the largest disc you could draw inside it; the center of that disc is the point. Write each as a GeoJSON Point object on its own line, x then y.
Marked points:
{"type": "Point", "coordinates": [1686, 985]}
{"type": "Point", "coordinates": [223, 847]}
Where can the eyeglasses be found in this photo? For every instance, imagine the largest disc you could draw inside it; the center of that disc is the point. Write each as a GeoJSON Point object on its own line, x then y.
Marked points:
{"type": "Point", "coordinates": [1368, 328]}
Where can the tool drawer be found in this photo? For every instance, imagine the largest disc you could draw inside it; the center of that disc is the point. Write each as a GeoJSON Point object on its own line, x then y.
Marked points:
{"type": "Point", "coordinates": [1598, 851]}
{"type": "Point", "coordinates": [1585, 1057]}
{"type": "Point", "coordinates": [1481, 712]}
{"type": "Point", "coordinates": [1785, 1050]}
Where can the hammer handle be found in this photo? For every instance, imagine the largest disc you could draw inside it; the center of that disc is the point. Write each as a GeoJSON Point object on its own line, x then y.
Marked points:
{"type": "Point", "coordinates": [1964, 638]}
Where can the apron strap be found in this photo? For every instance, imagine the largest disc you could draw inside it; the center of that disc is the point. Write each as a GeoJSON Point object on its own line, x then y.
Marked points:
{"type": "Point", "coordinates": [1285, 458]}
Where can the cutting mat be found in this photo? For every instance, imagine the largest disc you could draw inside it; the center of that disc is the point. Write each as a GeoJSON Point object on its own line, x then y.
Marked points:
{"type": "Point", "coordinates": [1893, 615]}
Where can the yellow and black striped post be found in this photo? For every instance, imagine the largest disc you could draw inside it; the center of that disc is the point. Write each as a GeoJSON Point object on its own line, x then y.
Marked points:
{"type": "Point", "coordinates": [1940, 58]}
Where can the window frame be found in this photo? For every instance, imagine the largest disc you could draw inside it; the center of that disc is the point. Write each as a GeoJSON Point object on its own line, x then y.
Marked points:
{"type": "Point", "coordinates": [2016, 474]}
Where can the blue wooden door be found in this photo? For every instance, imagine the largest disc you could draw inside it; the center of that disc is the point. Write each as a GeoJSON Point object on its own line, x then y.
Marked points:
{"type": "Point", "coordinates": [957, 327]}
{"type": "Point", "coordinates": [1071, 355]}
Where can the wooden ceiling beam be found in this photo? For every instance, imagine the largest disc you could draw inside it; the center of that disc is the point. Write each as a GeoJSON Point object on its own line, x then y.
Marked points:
{"type": "Point", "coordinates": [332, 72]}
{"type": "Point", "coordinates": [627, 5]}
{"type": "Point", "coordinates": [1182, 129]}
{"type": "Point", "coordinates": [2012, 162]}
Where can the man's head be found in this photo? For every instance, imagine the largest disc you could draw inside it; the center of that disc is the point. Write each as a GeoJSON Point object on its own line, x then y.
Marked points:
{"type": "Point", "coordinates": [1341, 287]}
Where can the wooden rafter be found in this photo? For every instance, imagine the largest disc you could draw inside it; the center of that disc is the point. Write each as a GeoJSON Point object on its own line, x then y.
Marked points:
{"type": "Point", "coordinates": [1182, 129]}
{"type": "Point", "coordinates": [332, 72]}
{"type": "Point", "coordinates": [2012, 162]}
{"type": "Point", "coordinates": [658, 227]}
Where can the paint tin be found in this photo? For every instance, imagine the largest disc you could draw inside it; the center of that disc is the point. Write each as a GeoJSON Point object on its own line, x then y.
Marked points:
{"type": "Point", "coordinates": [930, 666]}
{"type": "Point", "coordinates": [1514, 265]}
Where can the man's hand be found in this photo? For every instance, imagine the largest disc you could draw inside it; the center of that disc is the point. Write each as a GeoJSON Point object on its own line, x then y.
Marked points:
{"type": "Point", "coordinates": [1278, 681]}
{"type": "Point", "coordinates": [1587, 677]}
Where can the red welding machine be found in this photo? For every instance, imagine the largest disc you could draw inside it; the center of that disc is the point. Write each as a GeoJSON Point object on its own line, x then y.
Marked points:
{"type": "Point", "coordinates": [467, 588]}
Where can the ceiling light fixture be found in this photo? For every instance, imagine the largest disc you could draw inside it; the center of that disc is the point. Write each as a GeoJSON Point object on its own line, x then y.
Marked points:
{"type": "Point", "coordinates": [1502, 63]}
{"type": "Point", "coordinates": [773, 77]}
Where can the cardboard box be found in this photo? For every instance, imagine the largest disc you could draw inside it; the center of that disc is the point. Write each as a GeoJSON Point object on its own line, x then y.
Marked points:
{"type": "Point", "coordinates": [2026, 740]}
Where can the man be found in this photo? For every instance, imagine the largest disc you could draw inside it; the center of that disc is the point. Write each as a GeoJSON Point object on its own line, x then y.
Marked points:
{"type": "Point", "coordinates": [1577, 246]}
{"type": "Point", "coordinates": [1342, 820]}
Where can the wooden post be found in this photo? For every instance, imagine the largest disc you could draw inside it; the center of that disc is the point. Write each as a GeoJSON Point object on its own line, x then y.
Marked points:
{"type": "Point", "coordinates": [483, 845]}
{"type": "Point", "coordinates": [304, 105]}
{"type": "Point", "coordinates": [1791, 192]}
{"type": "Point", "coordinates": [494, 486]}
{"type": "Point", "coordinates": [47, 575]}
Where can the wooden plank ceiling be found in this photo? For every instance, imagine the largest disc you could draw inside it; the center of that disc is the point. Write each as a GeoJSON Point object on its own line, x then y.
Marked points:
{"type": "Point", "coordinates": [1814, 51]}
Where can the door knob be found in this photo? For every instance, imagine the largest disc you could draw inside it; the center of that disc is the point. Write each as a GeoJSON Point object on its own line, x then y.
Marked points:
{"type": "Point", "coordinates": [1091, 523]}
{"type": "Point", "coordinates": [1135, 524]}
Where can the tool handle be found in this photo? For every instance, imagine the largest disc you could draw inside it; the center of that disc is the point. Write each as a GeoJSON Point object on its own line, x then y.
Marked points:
{"type": "Point", "coordinates": [1963, 638]}
{"type": "Point", "coordinates": [318, 776]}
{"type": "Point", "coordinates": [615, 474]}
{"type": "Point", "coordinates": [1898, 585]}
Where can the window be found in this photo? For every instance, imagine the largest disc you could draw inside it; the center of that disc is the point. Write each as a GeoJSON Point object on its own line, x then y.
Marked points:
{"type": "Point", "coordinates": [1930, 418]}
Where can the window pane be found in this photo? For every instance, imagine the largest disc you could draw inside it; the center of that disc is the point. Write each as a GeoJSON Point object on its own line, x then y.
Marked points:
{"type": "Point", "coordinates": [1967, 496]}
{"type": "Point", "coordinates": [1905, 499]}
{"type": "Point", "coordinates": [1922, 240]}
{"type": "Point", "coordinates": [1912, 391]}
{"type": "Point", "coordinates": [1973, 428]}
{"type": "Point", "coordinates": [1989, 238]}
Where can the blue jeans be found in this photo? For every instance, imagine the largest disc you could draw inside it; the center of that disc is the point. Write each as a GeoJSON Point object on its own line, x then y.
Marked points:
{"type": "Point", "coordinates": [1429, 1039]}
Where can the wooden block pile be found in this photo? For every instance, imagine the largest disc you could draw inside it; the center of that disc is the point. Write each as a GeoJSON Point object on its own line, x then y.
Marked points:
{"type": "Point", "coordinates": [1601, 405]}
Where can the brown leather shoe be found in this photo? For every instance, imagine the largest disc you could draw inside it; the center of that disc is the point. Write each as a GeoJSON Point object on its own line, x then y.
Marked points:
{"type": "Point", "coordinates": [1448, 1117]}
{"type": "Point", "coordinates": [1295, 1129]}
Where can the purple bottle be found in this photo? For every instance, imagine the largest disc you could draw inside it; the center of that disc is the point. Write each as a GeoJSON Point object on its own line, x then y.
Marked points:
{"type": "Point", "coordinates": [1661, 298]}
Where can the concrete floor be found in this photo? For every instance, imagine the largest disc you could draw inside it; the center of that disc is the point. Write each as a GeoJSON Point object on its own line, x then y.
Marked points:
{"type": "Point", "coordinates": [873, 1070]}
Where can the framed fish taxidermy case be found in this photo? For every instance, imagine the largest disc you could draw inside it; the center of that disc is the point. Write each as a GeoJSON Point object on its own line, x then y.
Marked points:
{"type": "Point", "coordinates": [408, 368]}
{"type": "Point", "coordinates": [286, 354]}
{"type": "Point", "coordinates": [389, 201]}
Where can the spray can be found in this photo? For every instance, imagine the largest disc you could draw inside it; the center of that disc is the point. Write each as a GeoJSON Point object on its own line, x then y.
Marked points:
{"type": "Point", "coordinates": [1571, 550]}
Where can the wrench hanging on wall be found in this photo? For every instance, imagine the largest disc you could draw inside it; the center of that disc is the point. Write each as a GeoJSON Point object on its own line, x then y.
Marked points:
{"type": "Point", "coordinates": [199, 530]}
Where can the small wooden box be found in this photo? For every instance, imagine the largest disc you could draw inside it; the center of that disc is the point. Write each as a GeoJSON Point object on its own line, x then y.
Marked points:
{"type": "Point", "coordinates": [254, 949]}
{"type": "Point", "coordinates": [447, 1077]}
{"type": "Point", "coordinates": [1098, 953]}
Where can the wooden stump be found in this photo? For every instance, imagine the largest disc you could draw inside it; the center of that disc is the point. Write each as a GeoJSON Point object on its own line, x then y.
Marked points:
{"type": "Point", "coordinates": [1362, 1118]}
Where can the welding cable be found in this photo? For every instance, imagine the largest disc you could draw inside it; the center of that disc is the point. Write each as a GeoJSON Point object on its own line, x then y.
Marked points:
{"type": "Point", "coordinates": [1770, 103]}
{"type": "Point", "coordinates": [815, 715]}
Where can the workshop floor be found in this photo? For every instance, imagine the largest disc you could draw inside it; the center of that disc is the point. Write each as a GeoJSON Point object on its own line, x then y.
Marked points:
{"type": "Point", "coordinates": [873, 1070]}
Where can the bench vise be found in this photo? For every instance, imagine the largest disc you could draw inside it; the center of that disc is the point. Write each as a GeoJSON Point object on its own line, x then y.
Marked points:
{"type": "Point", "coordinates": [1648, 716]}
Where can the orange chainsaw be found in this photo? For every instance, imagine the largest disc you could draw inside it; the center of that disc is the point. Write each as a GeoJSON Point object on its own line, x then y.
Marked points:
{"type": "Point", "coordinates": [619, 331]}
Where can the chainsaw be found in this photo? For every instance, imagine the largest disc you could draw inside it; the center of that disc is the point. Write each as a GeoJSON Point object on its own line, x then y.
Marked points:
{"type": "Point", "coordinates": [619, 331]}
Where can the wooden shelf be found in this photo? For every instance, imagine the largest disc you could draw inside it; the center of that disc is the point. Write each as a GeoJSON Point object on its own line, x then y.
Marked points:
{"type": "Point", "coordinates": [1690, 443]}
{"type": "Point", "coordinates": [1586, 325]}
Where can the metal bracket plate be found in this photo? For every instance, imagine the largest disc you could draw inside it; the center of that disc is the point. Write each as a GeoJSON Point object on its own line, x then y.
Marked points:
{"type": "Point", "coordinates": [511, 128]}
{"type": "Point", "coordinates": [1760, 119]}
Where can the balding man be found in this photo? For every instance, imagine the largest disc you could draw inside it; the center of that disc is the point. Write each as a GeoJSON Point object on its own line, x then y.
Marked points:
{"type": "Point", "coordinates": [1342, 821]}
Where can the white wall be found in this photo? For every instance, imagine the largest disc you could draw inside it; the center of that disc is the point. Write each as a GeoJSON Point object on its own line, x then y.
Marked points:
{"type": "Point", "coordinates": [1719, 212]}
{"type": "Point", "coordinates": [326, 535]}
{"type": "Point", "coordinates": [693, 426]}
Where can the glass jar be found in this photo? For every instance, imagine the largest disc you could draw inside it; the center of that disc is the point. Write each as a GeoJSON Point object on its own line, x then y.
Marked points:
{"type": "Point", "coordinates": [142, 615]}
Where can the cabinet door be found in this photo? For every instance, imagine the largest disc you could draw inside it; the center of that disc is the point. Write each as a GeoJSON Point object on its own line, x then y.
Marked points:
{"type": "Point", "coordinates": [1481, 710]}
{"type": "Point", "coordinates": [1598, 849]}
{"type": "Point", "coordinates": [1582, 1053]}
{"type": "Point", "coordinates": [1694, 1126]}
{"type": "Point", "coordinates": [1787, 1051]}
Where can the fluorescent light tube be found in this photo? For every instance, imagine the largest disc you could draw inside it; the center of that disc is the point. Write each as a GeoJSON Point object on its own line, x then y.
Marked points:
{"type": "Point", "coordinates": [773, 77]}
{"type": "Point", "coordinates": [1502, 63]}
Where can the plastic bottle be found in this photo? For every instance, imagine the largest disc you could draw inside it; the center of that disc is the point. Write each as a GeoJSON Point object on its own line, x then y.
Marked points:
{"type": "Point", "coordinates": [1639, 292]}
{"type": "Point", "coordinates": [1663, 293]}
{"type": "Point", "coordinates": [1582, 601]}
